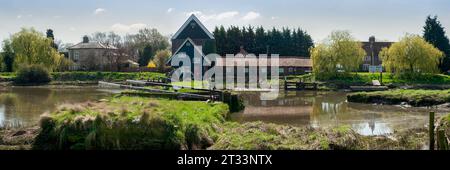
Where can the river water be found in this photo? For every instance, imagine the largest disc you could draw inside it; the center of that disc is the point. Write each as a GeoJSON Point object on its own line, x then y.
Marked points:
{"type": "Point", "coordinates": [24, 105]}
{"type": "Point", "coordinates": [330, 109]}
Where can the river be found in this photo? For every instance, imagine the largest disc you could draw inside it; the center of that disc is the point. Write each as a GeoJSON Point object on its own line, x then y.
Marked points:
{"type": "Point", "coordinates": [330, 109]}
{"type": "Point", "coordinates": [23, 106]}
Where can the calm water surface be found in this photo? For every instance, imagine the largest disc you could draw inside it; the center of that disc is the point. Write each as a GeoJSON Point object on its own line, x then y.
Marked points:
{"type": "Point", "coordinates": [24, 105]}
{"type": "Point", "coordinates": [330, 109]}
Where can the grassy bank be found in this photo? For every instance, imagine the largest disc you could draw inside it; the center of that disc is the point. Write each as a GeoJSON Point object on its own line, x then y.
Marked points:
{"type": "Point", "coordinates": [442, 133]}
{"type": "Point", "coordinates": [393, 97]}
{"type": "Point", "coordinates": [94, 76]}
{"type": "Point", "coordinates": [364, 78]}
{"type": "Point", "coordinates": [129, 123]}
{"type": "Point", "coordinates": [264, 136]}
{"type": "Point", "coordinates": [136, 123]}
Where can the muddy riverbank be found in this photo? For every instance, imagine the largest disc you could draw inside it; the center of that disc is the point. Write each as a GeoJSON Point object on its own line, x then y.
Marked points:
{"type": "Point", "coordinates": [263, 136]}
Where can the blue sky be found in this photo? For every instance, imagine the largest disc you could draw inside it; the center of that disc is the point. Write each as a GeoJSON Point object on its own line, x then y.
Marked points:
{"type": "Point", "coordinates": [71, 19]}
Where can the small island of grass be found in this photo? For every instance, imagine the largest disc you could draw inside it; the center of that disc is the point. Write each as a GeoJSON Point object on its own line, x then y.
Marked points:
{"type": "Point", "coordinates": [132, 123]}
{"type": "Point", "coordinates": [417, 98]}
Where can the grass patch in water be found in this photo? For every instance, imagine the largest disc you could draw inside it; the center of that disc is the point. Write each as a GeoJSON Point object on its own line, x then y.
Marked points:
{"type": "Point", "coordinates": [132, 123]}
{"type": "Point", "coordinates": [412, 97]}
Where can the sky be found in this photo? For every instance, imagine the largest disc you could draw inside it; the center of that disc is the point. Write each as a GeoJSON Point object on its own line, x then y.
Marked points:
{"type": "Point", "coordinates": [387, 20]}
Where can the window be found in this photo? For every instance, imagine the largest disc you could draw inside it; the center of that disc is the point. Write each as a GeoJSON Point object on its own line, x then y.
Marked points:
{"type": "Point", "coordinates": [291, 69]}
{"type": "Point", "coordinates": [365, 67]}
{"type": "Point", "coordinates": [281, 70]}
{"type": "Point", "coordinates": [76, 56]}
{"type": "Point", "coordinates": [193, 25]}
{"type": "Point", "coordinates": [264, 70]}
{"type": "Point", "coordinates": [246, 69]}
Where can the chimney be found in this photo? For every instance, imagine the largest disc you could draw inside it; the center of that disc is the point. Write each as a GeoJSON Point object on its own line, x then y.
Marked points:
{"type": "Point", "coordinates": [372, 51]}
{"type": "Point", "coordinates": [242, 50]}
{"type": "Point", "coordinates": [372, 39]}
{"type": "Point", "coordinates": [85, 39]}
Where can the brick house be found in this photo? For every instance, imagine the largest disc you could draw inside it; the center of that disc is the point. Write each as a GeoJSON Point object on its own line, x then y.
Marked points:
{"type": "Point", "coordinates": [92, 56]}
{"type": "Point", "coordinates": [373, 49]}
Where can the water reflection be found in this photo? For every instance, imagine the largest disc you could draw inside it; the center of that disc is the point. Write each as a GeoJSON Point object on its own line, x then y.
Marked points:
{"type": "Point", "coordinates": [24, 105]}
{"type": "Point", "coordinates": [330, 109]}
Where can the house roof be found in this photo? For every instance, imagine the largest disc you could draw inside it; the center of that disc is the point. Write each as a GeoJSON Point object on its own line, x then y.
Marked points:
{"type": "Point", "coordinates": [284, 61]}
{"type": "Point", "coordinates": [376, 46]}
{"type": "Point", "coordinates": [190, 19]}
{"type": "Point", "coordinates": [91, 45]}
{"type": "Point", "coordinates": [196, 49]}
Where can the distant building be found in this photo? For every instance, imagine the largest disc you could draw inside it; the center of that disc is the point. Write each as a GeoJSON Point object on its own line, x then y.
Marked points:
{"type": "Point", "coordinates": [287, 65]}
{"type": "Point", "coordinates": [92, 56]}
{"type": "Point", "coordinates": [373, 49]}
{"type": "Point", "coordinates": [192, 37]}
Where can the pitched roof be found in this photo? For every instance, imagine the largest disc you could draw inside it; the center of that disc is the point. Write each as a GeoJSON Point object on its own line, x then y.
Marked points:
{"type": "Point", "coordinates": [196, 49]}
{"type": "Point", "coordinates": [285, 61]}
{"type": "Point", "coordinates": [377, 47]}
{"type": "Point", "coordinates": [91, 45]}
{"type": "Point", "coordinates": [193, 18]}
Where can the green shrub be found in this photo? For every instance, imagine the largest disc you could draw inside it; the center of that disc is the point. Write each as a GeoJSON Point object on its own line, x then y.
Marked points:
{"type": "Point", "coordinates": [32, 74]}
{"type": "Point", "coordinates": [131, 123]}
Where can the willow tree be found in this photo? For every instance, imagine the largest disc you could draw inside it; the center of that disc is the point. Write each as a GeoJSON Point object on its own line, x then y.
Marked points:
{"type": "Point", "coordinates": [412, 54]}
{"type": "Point", "coordinates": [339, 54]}
{"type": "Point", "coordinates": [32, 47]}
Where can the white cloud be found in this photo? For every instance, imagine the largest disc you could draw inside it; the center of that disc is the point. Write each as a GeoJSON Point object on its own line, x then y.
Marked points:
{"type": "Point", "coordinates": [197, 13]}
{"type": "Point", "coordinates": [170, 10]}
{"type": "Point", "coordinates": [251, 16]}
{"type": "Point", "coordinates": [274, 18]}
{"type": "Point", "coordinates": [215, 16]}
{"type": "Point", "coordinates": [226, 15]}
{"type": "Point", "coordinates": [99, 11]}
{"type": "Point", "coordinates": [72, 29]}
{"type": "Point", "coordinates": [19, 16]}
{"type": "Point", "coordinates": [122, 28]}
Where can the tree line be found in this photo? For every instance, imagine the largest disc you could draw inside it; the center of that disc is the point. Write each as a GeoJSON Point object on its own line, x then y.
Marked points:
{"type": "Point", "coordinates": [30, 46]}
{"type": "Point", "coordinates": [410, 58]}
{"type": "Point", "coordinates": [141, 47]}
{"type": "Point", "coordinates": [285, 42]}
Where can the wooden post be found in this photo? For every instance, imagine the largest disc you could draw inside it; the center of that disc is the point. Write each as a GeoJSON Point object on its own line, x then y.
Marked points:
{"type": "Point", "coordinates": [431, 130]}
